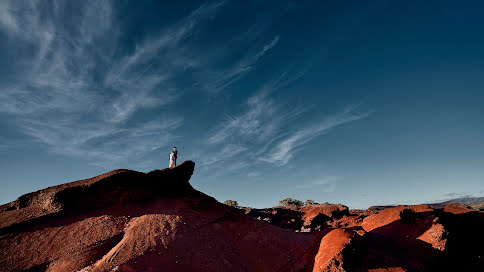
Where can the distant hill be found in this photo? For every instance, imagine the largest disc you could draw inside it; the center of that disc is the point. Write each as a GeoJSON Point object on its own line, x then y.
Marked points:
{"type": "Point", "coordinates": [477, 205]}
{"type": "Point", "coordinates": [474, 202]}
{"type": "Point", "coordinates": [462, 200]}
{"type": "Point", "coordinates": [467, 200]}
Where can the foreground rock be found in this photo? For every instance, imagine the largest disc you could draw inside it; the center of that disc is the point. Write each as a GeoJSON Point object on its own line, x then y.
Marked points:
{"type": "Point", "coordinates": [132, 221]}
{"type": "Point", "coordinates": [396, 238]}
{"type": "Point", "coordinates": [338, 251]}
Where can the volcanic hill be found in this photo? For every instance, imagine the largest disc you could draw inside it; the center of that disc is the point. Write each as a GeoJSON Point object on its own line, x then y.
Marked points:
{"type": "Point", "coordinates": [125, 220]}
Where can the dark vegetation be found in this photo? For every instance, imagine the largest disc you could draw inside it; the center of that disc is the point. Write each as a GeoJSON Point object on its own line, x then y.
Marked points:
{"type": "Point", "coordinates": [232, 203]}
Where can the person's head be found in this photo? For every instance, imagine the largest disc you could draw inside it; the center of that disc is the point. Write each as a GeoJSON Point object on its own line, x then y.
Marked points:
{"type": "Point", "coordinates": [174, 148]}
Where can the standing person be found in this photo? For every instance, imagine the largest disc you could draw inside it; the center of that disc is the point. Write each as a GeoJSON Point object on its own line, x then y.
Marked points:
{"type": "Point", "coordinates": [172, 159]}
{"type": "Point", "coordinates": [175, 152]}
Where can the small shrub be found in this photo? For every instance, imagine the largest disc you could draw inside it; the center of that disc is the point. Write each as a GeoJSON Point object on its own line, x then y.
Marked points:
{"type": "Point", "coordinates": [290, 202]}
{"type": "Point", "coordinates": [407, 216]}
{"type": "Point", "coordinates": [320, 221]}
{"type": "Point", "coordinates": [232, 203]}
{"type": "Point", "coordinates": [310, 202]}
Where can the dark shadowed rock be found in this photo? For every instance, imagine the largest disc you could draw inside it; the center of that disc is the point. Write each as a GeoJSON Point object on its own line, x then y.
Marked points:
{"type": "Point", "coordinates": [278, 216]}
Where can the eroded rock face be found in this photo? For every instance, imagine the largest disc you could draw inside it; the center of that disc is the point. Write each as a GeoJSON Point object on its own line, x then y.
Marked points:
{"type": "Point", "coordinates": [115, 187]}
{"type": "Point", "coordinates": [336, 252]}
{"type": "Point", "coordinates": [436, 235]}
{"type": "Point", "coordinates": [323, 214]}
{"type": "Point", "coordinates": [132, 221]}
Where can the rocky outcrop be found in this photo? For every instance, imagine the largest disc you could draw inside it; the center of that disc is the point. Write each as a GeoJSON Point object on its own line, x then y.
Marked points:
{"type": "Point", "coordinates": [457, 208]}
{"type": "Point", "coordinates": [115, 187]}
{"type": "Point", "coordinates": [338, 251]}
{"type": "Point", "coordinates": [436, 235]}
{"type": "Point", "coordinates": [278, 216]}
{"type": "Point", "coordinates": [316, 216]}
{"type": "Point", "coordinates": [132, 221]}
{"type": "Point", "coordinates": [391, 238]}
{"type": "Point", "coordinates": [420, 238]}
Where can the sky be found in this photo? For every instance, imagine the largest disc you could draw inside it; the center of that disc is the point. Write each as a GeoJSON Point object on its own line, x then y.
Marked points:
{"type": "Point", "coordinates": [354, 102]}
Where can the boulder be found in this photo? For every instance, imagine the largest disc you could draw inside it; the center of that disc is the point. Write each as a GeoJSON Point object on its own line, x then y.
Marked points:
{"type": "Point", "coordinates": [337, 251]}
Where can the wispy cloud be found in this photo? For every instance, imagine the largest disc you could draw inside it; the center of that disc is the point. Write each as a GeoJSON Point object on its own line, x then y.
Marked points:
{"type": "Point", "coordinates": [238, 141]}
{"type": "Point", "coordinates": [242, 67]}
{"type": "Point", "coordinates": [226, 152]}
{"type": "Point", "coordinates": [153, 64]}
{"type": "Point", "coordinates": [251, 123]}
{"type": "Point", "coordinates": [254, 174]}
{"type": "Point", "coordinates": [70, 93]}
{"type": "Point", "coordinates": [52, 73]}
{"type": "Point", "coordinates": [77, 96]}
{"type": "Point", "coordinates": [284, 151]}
{"type": "Point", "coordinates": [262, 118]}
{"type": "Point", "coordinates": [110, 146]}
{"type": "Point", "coordinates": [327, 182]}
{"type": "Point", "coordinates": [216, 80]}
{"type": "Point", "coordinates": [73, 90]}
{"type": "Point", "coordinates": [268, 131]}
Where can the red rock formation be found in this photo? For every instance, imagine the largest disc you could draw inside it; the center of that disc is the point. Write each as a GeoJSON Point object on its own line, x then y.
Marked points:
{"type": "Point", "coordinates": [321, 214]}
{"type": "Point", "coordinates": [419, 238]}
{"type": "Point", "coordinates": [435, 235]}
{"type": "Point", "coordinates": [131, 221]}
{"type": "Point", "coordinates": [382, 218]}
{"type": "Point", "coordinates": [457, 208]}
{"type": "Point", "coordinates": [330, 256]}
{"type": "Point", "coordinates": [278, 216]}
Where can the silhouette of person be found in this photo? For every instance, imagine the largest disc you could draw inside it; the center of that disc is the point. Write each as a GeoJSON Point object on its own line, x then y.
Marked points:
{"type": "Point", "coordinates": [173, 156]}
{"type": "Point", "coordinates": [175, 151]}
{"type": "Point", "coordinates": [172, 159]}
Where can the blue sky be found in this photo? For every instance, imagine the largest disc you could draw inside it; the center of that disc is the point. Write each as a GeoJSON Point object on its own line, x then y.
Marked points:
{"type": "Point", "coordinates": [347, 102]}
